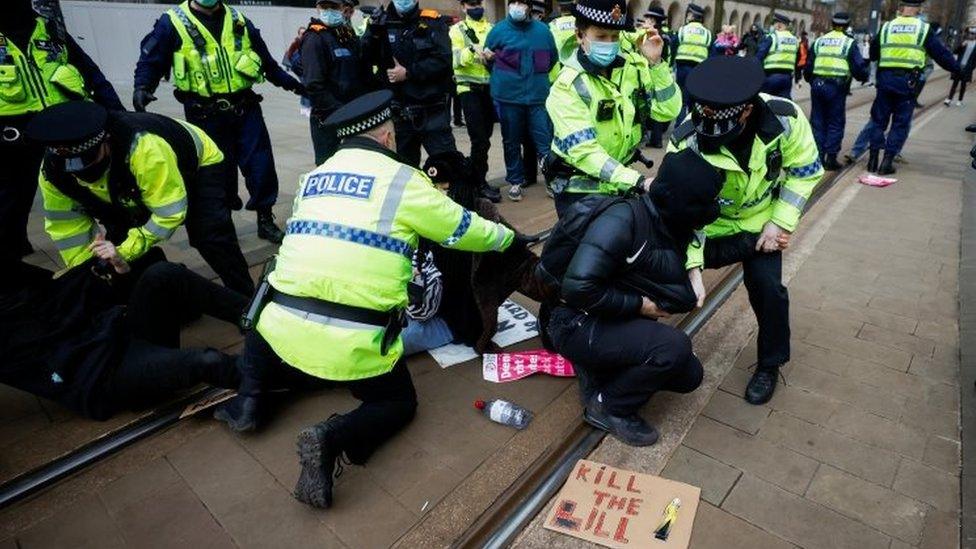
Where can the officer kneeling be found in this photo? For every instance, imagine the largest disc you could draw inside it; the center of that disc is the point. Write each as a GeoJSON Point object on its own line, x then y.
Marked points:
{"type": "Point", "coordinates": [140, 175]}
{"type": "Point", "coordinates": [339, 288]}
{"type": "Point", "coordinates": [765, 149]}
{"type": "Point", "coordinates": [627, 271]}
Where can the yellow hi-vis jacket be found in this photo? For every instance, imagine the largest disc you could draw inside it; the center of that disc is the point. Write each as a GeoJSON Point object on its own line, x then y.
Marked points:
{"type": "Point", "coordinates": [205, 64]}
{"type": "Point", "coordinates": [36, 79]}
{"type": "Point", "coordinates": [356, 222]}
{"type": "Point", "coordinates": [903, 43]}
{"type": "Point", "coordinates": [782, 52]}
{"type": "Point", "coordinates": [750, 199]}
{"type": "Point", "coordinates": [468, 68]}
{"type": "Point", "coordinates": [693, 43]}
{"type": "Point", "coordinates": [596, 126]}
{"type": "Point", "coordinates": [154, 165]}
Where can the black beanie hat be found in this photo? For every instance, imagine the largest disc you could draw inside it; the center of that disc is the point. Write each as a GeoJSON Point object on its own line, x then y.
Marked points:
{"type": "Point", "coordinates": [685, 193]}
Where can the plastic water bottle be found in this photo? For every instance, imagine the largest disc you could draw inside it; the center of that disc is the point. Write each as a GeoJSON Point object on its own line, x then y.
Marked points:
{"type": "Point", "coordinates": [504, 412]}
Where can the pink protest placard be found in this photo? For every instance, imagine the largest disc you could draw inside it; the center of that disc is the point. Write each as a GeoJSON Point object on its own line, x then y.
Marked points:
{"type": "Point", "coordinates": [505, 367]}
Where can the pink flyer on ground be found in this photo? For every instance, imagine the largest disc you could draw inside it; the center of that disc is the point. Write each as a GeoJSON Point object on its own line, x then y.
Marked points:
{"type": "Point", "coordinates": [505, 367]}
{"type": "Point", "coordinates": [873, 180]}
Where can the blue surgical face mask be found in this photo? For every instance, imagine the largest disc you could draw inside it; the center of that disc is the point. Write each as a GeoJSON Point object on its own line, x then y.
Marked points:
{"type": "Point", "coordinates": [404, 6]}
{"type": "Point", "coordinates": [332, 17]}
{"type": "Point", "coordinates": [475, 13]}
{"type": "Point", "coordinates": [207, 3]}
{"type": "Point", "coordinates": [518, 12]}
{"type": "Point", "coordinates": [603, 53]}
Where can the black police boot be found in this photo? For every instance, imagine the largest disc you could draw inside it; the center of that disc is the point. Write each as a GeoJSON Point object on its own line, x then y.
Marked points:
{"type": "Point", "coordinates": [873, 160]}
{"type": "Point", "coordinates": [319, 453]}
{"type": "Point", "coordinates": [267, 230]}
{"type": "Point", "coordinates": [241, 413]}
{"type": "Point", "coordinates": [887, 166]}
{"type": "Point", "coordinates": [971, 128]}
{"type": "Point", "coordinates": [631, 430]}
{"type": "Point", "coordinates": [762, 385]}
{"type": "Point", "coordinates": [830, 162]}
{"type": "Point", "coordinates": [491, 193]}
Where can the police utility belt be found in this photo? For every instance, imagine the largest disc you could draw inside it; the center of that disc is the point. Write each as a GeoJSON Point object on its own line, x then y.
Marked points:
{"type": "Point", "coordinates": [233, 104]}
{"type": "Point", "coordinates": [391, 321]}
{"type": "Point", "coordinates": [416, 114]}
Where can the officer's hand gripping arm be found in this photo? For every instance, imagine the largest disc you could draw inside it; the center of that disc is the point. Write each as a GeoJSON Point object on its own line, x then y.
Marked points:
{"type": "Point", "coordinates": [803, 171]}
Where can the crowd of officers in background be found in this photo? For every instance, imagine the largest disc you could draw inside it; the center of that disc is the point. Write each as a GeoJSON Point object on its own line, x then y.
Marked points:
{"type": "Point", "coordinates": [577, 98]}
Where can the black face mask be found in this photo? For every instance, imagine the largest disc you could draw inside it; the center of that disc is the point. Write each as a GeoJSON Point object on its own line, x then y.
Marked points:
{"type": "Point", "coordinates": [711, 144]}
{"type": "Point", "coordinates": [94, 171]}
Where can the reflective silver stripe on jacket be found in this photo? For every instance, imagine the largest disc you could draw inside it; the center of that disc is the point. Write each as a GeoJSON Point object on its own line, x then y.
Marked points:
{"type": "Point", "coordinates": [172, 208]}
{"type": "Point", "coordinates": [328, 320]}
{"type": "Point", "coordinates": [792, 198]}
{"type": "Point", "coordinates": [391, 203]}
{"type": "Point", "coordinates": [158, 230]}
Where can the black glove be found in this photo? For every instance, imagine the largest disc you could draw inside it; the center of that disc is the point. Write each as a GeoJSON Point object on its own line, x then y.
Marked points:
{"type": "Point", "coordinates": [297, 88]}
{"type": "Point", "coordinates": [142, 97]}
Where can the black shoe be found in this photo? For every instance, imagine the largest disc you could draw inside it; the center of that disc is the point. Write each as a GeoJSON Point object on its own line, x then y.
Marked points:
{"type": "Point", "coordinates": [235, 203]}
{"type": "Point", "coordinates": [873, 161]}
{"type": "Point", "coordinates": [240, 413]}
{"type": "Point", "coordinates": [830, 162]}
{"type": "Point", "coordinates": [762, 385]}
{"type": "Point", "coordinates": [267, 230]}
{"type": "Point", "coordinates": [491, 193]}
{"type": "Point", "coordinates": [971, 128]}
{"type": "Point", "coordinates": [319, 454]}
{"type": "Point", "coordinates": [849, 159]}
{"type": "Point", "coordinates": [631, 430]}
{"type": "Point", "coordinates": [887, 166]}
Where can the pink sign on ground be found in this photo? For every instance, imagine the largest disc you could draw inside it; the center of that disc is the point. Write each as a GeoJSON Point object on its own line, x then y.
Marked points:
{"type": "Point", "coordinates": [873, 180]}
{"type": "Point", "coordinates": [505, 367]}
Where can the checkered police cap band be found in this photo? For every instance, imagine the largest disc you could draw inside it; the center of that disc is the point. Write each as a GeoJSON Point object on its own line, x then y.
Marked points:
{"type": "Point", "coordinates": [366, 124]}
{"type": "Point", "coordinates": [80, 147]}
{"type": "Point", "coordinates": [612, 18]}
{"type": "Point", "coordinates": [716, 122]}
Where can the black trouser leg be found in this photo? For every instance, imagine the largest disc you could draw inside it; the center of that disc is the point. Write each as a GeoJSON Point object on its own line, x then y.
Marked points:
{"type": "Point", "coordinates": [627, 360]}
{"type": "Point", "coordinates": [479, 119]}
{"type": "Point", "coordinates": [408, 140]}
{"type": "Point", "coordinates": [325, 143]}
{"type": "Point", "coordinates": [389, 403]}
{"type": "Point", "coordinates": [211, 229]}
{"type": "Point", "coordinates": [18, 184]}
{"type": "Point", "coordinates": [167, 294]}
{"type": "Point", "coordinates": [437, 134]}
{"type": "Point", "coordinates": [952, 89]}
{"type": "Point", "coordinates": [564, 200]}
{"type": "Point", "coordinates": [763, 276]}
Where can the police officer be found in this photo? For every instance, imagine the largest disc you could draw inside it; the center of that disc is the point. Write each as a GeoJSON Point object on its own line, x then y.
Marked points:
{"type": "Point", "coordinates": [216, 56]}
{"type": "Point", "coordinates": [656, 17]}
{"type": "Point", "coordinates": [470, 62]}
{"type": "Point", "coordinates": [599, 101]}
{"type": "Point", "coordinates": [766, 150]}
{"type": "Point", "coordinates": [694, 42]}
{"type": "Point", "coordinates": [900, 50]}
{"type": "Point", "coordinates": [778, 53]}
{"type": "Point", "coordinates": [834, 60]}
{"type": "Point", "coordinates": [333, 71]}
{"type": "Point", "coordinates": [411, 49]}
{"type": "Point", "coordinates": [139, 175]}
{"type": "Point", "coordinates": [563, 30]}
{"type": "Point", "coordinates": [339, 288]}
{"type": "Point", "coordinates": [40, 66]}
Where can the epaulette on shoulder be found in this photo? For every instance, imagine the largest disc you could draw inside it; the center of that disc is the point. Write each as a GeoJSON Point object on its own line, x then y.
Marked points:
{"type": "Point", "coordinates": [781, 107]}
{"type": "Point", "coordinates": [683, 131]}
{"type": "Point", "coordinates": [430, 13]}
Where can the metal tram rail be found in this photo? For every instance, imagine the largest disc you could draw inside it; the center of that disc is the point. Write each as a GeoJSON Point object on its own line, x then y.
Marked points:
{"type": "Point", "coordinates": [500, 523]}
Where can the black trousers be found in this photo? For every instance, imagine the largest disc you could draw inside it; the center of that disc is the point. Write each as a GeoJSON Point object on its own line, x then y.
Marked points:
{"type": "Point", "coordinates": [479, 117]}
{"type": "Point", "coordinates": [763, 277]}
{"type": "Point", "coordinates": [657, 131]}
{"type": "Point", "coordinates": [211, 229]}
{"type": "Point", "coordinates": [154, 367]}
{"type": "Point", "coordinates": [243, 138]}
{"type": "Point", "coordinates": [429, 126]}
{"type": "Point", "coordinates": [325, 142]}
{"type": "Point", "coordinates": [961, 83]}
{"type": "Point", "coordinates": [388, 402]}
{"type": "Point", "coordinates": [21, 163]}
{"type": "Point", "coordinates": [563, 201]}
{"type": "Point", "coordinates": [625, 360]}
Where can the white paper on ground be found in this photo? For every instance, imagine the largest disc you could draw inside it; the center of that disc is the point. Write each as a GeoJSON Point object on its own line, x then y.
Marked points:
{"type": "Point", "coordinates": [515, 324]}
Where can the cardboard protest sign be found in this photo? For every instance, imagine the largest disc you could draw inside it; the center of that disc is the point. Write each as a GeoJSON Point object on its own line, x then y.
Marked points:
{"type": "Point", "coordinates": [505, 367]}
{"type": "Point", "coordinates": [515, 324]}
{"type": "Point", "coordinates": [618, 508]}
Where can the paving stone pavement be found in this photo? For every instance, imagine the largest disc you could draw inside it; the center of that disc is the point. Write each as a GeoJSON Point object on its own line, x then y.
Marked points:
{"type": "Point", "coordinates": [860, 446]}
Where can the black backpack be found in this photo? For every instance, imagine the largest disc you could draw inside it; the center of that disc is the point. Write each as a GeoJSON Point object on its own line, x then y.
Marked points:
{"type": "Point", "coordinates": [570, 230]}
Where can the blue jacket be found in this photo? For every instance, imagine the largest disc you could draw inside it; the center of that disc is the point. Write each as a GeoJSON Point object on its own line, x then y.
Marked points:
{"type": "Point", "coordinates": [524, 54]}
{"type": "Point", "coordinates": [156, 56]}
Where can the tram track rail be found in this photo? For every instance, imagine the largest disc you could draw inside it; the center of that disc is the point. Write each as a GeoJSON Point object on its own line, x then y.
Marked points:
{"type": "Point", "coordinates": [521, 501]}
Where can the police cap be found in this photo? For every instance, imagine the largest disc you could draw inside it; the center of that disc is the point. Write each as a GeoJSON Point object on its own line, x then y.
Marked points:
{"type": "Point", "coordinates": [655, 12]}
{"type": "Point", "coordinates": [73, 130]}
{"type": "Point", "coordinates": [841, 19]}
{"type": "Point", "coordinates": [911, 2]}
{"type": "Point", "coordinates": [696, 10]}
{"type": "Point", "coordinates": [607, 14]}
{"type": "Point", "coordinates": [720, 88]}
{"type": "Point", "coordinates": [539, 6]}
{"type": "Point", "coordinates": [780, 18]}
{"type": "Point", "coordinates": [361, 114]}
